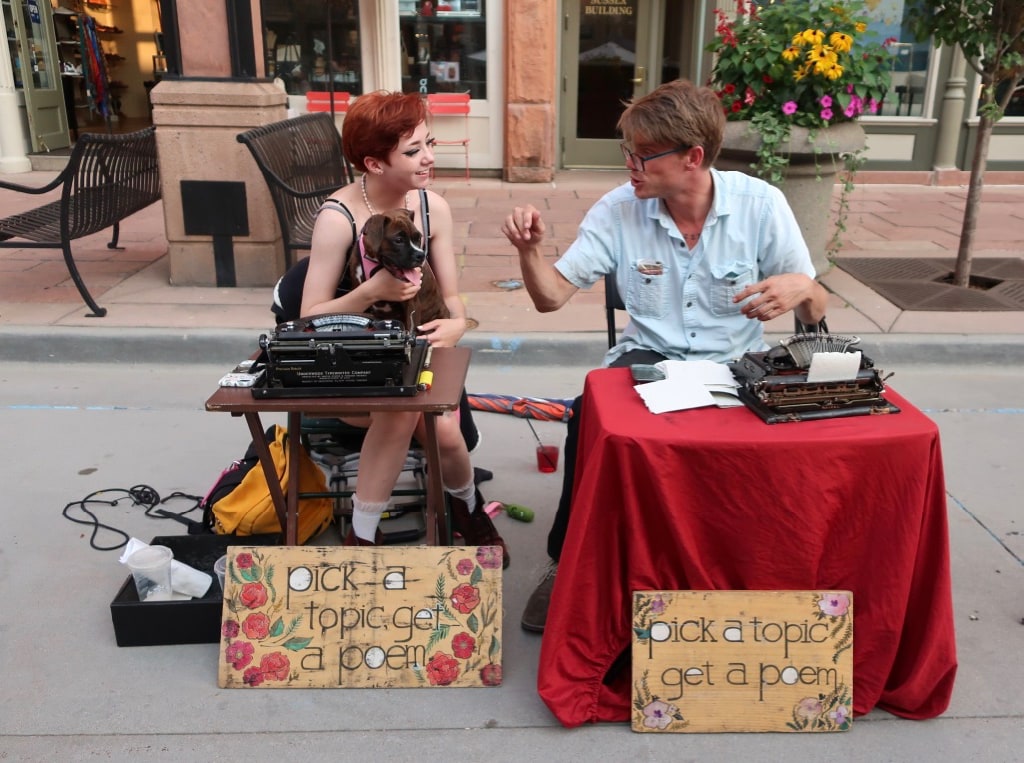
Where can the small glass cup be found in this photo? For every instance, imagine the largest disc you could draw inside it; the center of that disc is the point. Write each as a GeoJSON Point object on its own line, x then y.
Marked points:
{"type": "Point", "coordinates": [151, 569]}
{"type": "Point", "coordinates": [547, 458]}
{"type": "Point", "coordinates": [220, 567]}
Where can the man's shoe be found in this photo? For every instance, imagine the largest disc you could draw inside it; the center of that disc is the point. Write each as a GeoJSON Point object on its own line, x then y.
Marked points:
{"type": "Point", "coordinates": [354, 540]}
{"type": "Point", "coordinates": [535, 615]}
{"type": "Point", "coordinates": [477, 529]}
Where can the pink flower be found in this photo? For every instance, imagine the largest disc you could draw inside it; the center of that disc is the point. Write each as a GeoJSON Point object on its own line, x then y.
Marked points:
{"type": "Point", "coordinates": [244, 561]}
{"type": "Point", "coordinates": [808, 707]}
{"type": "Point", "coordinates": [229, 629]}
{"type": "Point", "coordinates": [239, 654]}
{"type": "Point", "coordinates": [253, 595]}
{"type": "Point", "coordinates": [789, 107]}
{"type": "Point", "coordinates": [490, 675]}
{"type": "Point", "coordinates": [256, 625]}
{"type": "Point", "coordinates": [825, 101]}
{"type": "Point", "coordinates": [489, 557]}
{"type": "Point", "coordinates": [834, 604]}
{"type": "Point", "coordinates": [840, 714]}
{"type": "Point", "coordinates": [826, 114]}
{"type": "Point", "coordinates": [252, 677]}
{"type": "Point", "coordinates": [658, 714]}
{"type": "Point", "coordinates": [658, 605]}
{"type": "Point", "coordinates": [274, 666]}
{"type": "Point", "coordinates": [463, 645]}
{"type": "Point", "coordinates": [442, 669]}
{"type": "Point", "coordinates": [465, 566]}
{"type": "Point", "coordinates": [873, 106]}
{"type": "Point", "coordinates": [465, 598]}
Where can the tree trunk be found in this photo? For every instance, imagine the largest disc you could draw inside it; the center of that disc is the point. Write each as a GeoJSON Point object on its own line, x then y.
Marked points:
{"type": "Point", "coordinates": [962, 273]}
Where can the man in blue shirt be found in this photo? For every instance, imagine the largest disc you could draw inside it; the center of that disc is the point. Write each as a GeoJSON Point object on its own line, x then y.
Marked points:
{"type": "Point", "coordinates": [701, 258]}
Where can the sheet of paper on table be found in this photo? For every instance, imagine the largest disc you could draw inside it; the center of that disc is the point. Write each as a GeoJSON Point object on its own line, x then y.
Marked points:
{"type": "Point", "coordinates": [690, 384]}
{"type": "Point", "coordinates": [833, 366]}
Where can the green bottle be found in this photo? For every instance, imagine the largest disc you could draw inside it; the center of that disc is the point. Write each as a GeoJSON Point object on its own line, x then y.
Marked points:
{"type": "Point", "coordinates": [521, 513]}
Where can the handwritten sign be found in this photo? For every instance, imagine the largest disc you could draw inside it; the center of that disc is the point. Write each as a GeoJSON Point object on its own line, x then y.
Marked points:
{"type": "Point", "coordinates": [742, 661]}
{"type": "Point", "coordinates": [355, 617]}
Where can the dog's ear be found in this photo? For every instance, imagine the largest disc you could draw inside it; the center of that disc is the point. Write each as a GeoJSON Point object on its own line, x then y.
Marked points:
{"type": "Point", "coordinates": [408, 213]}
{"type": "Point", "coordinates": [373, 234]}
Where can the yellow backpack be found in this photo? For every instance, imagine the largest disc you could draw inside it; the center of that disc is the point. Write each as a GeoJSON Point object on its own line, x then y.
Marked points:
{"type": "Point", "coordinates": [240, 502]}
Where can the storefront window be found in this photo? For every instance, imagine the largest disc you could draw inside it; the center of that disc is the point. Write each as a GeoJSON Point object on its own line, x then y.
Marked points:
{"type": "Point", "coordinates": [312, 42]}
{"type": "Point", "coordinates": [444, 46]}
{"type": "Point", "coordinates": [911, 59]}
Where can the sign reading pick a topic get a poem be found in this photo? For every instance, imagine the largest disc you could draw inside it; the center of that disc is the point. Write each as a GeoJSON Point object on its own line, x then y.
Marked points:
{"type": "Point", "coordinates": [361, 617]}
{"type": "Point", "coordinates": [707, 661]}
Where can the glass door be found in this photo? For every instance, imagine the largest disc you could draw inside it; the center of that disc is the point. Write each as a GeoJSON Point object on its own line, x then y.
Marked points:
{"type": "Point", "coordinates": [607, 59]}
{"type": "Point", "coordinates": [35, 52]}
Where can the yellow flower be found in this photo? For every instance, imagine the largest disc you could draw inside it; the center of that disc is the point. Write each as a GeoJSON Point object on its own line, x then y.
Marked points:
{"type": "Point", "coordinates": [841, 42]}
{"type": "Point", "coordinates": [861, 27]}
{"type": "Point", "coordinates": [833, 72]}
{"type": "Point", "coordinates": [822, 54]}
{"type": "Point", "coordinates": [801, 72]}
{"type": "Point", "coordinates": [791, 53]}
{"type": "Point", "coordinates": [812, 36]}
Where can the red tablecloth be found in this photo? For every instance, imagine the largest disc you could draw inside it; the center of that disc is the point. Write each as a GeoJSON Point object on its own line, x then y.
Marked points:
{"type": "Point", "coordinates": [715, 499]}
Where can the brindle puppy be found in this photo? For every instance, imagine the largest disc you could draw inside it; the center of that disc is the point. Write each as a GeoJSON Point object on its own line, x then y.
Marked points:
{"type": "Point", "coordinates": [391, 241]}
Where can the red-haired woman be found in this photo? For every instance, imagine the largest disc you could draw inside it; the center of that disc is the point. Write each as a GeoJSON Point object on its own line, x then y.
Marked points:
{"type": "Point", "coordinates": [388, 140]}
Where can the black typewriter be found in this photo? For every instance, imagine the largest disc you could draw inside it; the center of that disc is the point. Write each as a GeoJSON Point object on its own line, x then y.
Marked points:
{"type": "Point", "coordinates": [773, 384]}
{"type": "Point", "coordinates": [340, 355]}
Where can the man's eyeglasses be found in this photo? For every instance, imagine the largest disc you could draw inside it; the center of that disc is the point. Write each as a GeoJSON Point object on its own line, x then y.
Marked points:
{"type": "Point", "coordinates": [639, 161]}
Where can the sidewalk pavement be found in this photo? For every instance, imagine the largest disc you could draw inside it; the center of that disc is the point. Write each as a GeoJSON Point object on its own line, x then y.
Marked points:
{"type": "Point", "coordinates": [37, 296]}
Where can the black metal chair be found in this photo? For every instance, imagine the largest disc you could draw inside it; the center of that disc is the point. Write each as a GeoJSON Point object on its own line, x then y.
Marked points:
{"type": "Point", "coordinates": [107, 178]}
{"type": "Point", "coordinates": [302, 161]}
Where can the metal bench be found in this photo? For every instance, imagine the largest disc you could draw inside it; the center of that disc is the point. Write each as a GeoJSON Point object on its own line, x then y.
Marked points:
{"type": "Point", "coordinates": [107, 178]}
{"type": "Point", "coordinates": [302, 161]}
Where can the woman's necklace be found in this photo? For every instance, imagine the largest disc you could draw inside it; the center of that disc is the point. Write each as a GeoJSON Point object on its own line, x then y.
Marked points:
{"type": "Point", "coordinates": [366, 199]}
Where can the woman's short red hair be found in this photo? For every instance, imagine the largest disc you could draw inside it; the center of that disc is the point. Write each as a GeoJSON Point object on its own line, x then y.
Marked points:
{"type": "Point", "coordinates": [375, 122]}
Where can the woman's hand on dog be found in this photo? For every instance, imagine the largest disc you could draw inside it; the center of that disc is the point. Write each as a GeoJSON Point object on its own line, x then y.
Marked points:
{"type": "Point", "coordinates": [444, 332]}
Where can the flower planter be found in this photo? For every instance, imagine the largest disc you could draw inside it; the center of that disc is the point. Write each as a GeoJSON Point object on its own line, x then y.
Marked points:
{"type": "Point", "coordinates": [808, 179]}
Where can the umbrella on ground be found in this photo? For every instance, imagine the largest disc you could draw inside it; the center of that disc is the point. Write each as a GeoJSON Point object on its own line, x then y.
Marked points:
{"type": "Point", "coordinates": [540, 408]}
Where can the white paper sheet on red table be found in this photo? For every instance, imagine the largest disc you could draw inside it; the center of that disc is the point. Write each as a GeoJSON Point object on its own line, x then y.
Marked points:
{"type": "Point", "coordinates": [690, 384]}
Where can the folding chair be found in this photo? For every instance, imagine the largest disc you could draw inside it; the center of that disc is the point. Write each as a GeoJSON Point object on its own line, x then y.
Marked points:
{"type": "Point", "coordinates": [447, 105]}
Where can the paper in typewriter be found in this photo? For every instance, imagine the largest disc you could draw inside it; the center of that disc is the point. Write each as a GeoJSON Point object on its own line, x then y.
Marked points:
{"type": "Point", "coordinates": [690, 384]}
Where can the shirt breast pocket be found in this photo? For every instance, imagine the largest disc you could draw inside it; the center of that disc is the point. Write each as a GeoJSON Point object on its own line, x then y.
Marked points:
{"type": "Point", "coordinates": [647, 293]}
{"type": "Point", "coordinates": [726, 282]}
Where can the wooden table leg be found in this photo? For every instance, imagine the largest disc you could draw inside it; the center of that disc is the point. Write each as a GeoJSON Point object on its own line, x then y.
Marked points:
{"type": "Point", "coordinates": [293, 475]}
{"type": "Point", "coordinates": [259, 440]}
{"type": "Point", "coordinates": [437, 522]}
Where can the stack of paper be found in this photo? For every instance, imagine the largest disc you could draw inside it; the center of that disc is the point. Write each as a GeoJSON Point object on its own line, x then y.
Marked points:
{"type": "Point", "coordinates": [690, 384]}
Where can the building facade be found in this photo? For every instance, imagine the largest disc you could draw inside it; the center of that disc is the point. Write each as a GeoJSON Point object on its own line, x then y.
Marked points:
{"type": "Point", "coordinates": [547, 78]}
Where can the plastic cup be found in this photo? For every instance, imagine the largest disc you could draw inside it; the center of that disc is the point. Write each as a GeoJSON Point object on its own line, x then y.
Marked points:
{"type": "Point", "coordinates": [221, 567]}
{"type": "Point", "coordinates": [547, 458]}
{"type": "Point", "coordinates": [151, 569]}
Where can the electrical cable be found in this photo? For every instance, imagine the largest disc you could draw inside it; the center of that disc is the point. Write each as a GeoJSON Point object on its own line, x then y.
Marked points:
{"type": "Point", "coordinates": [140, 495]}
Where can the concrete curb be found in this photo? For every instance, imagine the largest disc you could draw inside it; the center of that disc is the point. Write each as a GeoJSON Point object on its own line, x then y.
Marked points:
{"type": "Point", "coordinates": [221, 347]}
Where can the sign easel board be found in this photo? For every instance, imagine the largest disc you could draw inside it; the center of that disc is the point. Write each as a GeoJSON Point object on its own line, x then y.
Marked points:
{"type": "Point", "coordinates": [361, 617]}
{"type": "Point", "coordinates": [707, 661]}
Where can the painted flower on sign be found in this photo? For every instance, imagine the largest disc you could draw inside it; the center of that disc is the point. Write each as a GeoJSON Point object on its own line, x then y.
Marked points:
{"type": "Point", "coordinates": [465, 598]}
{"type": "Point", "coordinates": [465, 566]}
{"type": "Point", "coordinates": [834, 604]}
{"type": "Point", "coordinates": [658, 714]}
{"type": "Point", "coordinates": [442, 669]}
{"type": "Point", "coordinates": [238, 654]}
{"type": "Point", "coordinates": [253, 595]}
{"type": "Point", "coordinates": [256, 625]}
{"type": "Point", "coordinates": [490, 675]}
{"type": "Point", "coordinates": [275, 666]}
{"type": "Point", "coordinates": [463, 645]}
{"type": "Point", "coordinates": [489, 557]}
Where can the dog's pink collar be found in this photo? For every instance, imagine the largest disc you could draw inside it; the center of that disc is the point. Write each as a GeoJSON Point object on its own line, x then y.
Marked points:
{"type": "Point", "coordinates": [371, 266]}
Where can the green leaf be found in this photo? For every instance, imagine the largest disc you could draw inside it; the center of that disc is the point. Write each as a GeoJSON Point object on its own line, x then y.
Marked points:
{"type": "Point", "coordinates": [295, 644]}
{"type": "Point", "coordinates": [277, 628]}
{"type": "Point", "coordinates": [473, 624]}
